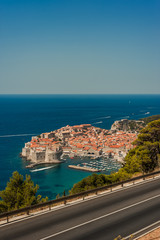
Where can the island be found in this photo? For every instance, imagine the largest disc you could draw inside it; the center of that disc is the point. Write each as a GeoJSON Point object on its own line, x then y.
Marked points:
{"type": "Point", "coordinates": [80, 141]}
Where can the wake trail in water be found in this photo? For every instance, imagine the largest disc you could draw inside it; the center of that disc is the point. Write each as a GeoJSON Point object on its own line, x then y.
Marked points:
{"type": "Point", "coordinates": [41, 169]}
{"type": "Point", "coordinates": [19, 135]}
{"type": "Point", "coordinates": [103, 117]}
{"type": "Point", "coordinates": [97, 122]}
{"type": "Point", "coordinates": [108, 117]}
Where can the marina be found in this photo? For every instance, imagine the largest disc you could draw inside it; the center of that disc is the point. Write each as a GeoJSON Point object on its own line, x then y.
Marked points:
{"type": "Point", "coordinates": [99, 165]}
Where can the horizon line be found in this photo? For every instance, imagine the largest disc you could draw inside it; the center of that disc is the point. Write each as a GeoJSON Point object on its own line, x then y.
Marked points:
{"type": "Point", "coordinates": [79, 93]}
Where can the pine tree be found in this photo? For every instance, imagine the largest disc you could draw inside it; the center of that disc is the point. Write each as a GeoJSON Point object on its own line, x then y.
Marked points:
{"type": "Point", "coordinates": [19, 193]}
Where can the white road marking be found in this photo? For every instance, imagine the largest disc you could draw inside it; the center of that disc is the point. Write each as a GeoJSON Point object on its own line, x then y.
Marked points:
{"type": "Point", "coordinates": [143, 229]}
{"type": "Point", "coordinates": [101, 217]}
{"type": "Point", "coordinates": [81, 201]}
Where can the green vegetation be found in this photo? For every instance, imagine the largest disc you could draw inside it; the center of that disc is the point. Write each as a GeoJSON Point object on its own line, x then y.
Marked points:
{"type": "Point", "coordinates": [99, 180]}
{"type": "Point", "coordinates": [128, 125]}
{"type": "Point", "coordinates": [150, 119]}
{"type": "Point", "coordinates": [134, 125]}
{"type": "Point", "coordinates": [19, 193]}
{"type": "Point", "coordinates": [144, 158]}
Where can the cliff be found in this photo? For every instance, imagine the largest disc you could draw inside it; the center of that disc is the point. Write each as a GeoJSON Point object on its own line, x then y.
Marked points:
{"type": "Point", "coordinates": [128, 125]}
{"type": "Point", "coordinates": [133, 125]}
{"type": "Point", "coordinates": [150, 119]}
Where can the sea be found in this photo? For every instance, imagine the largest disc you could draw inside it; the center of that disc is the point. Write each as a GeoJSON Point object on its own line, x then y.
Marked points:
{"type": "Point", "coordinates": [24, 116]}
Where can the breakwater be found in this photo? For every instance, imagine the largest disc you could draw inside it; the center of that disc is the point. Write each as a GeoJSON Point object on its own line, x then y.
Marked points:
{"type": "Point", "coordinates": [88, 169]}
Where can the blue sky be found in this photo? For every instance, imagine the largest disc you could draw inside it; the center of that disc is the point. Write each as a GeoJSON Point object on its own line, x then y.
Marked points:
{"type": "Point", "coordinates": [79, 46]}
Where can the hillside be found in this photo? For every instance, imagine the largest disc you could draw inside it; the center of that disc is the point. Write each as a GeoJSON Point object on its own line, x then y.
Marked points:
{"type": "Point", "coordinates": [128, 125]}
{"type": "Point", "coordinates": [133, 125]}
{"type": "Point", "coordinates": [150, 119]}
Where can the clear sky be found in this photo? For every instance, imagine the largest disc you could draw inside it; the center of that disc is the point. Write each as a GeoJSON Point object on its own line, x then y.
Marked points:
{"type": "Point", "coordinates": [79, 46]}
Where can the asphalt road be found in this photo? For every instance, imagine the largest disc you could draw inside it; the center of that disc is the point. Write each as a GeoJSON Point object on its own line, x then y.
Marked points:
{"type": "Point", "coordinates": [103, 218]}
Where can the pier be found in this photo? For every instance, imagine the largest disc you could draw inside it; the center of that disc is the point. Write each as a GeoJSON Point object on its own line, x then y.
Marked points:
{"type": "Point", "coordinates": [84, 168]}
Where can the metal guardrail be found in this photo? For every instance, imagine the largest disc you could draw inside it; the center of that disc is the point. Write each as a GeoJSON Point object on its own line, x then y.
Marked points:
{"type": "Point", "coordinates": [49, 204]}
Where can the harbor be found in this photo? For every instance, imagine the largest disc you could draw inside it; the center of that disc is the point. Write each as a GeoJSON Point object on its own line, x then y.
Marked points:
{"type": "Point", "coordinates": [97, 165]}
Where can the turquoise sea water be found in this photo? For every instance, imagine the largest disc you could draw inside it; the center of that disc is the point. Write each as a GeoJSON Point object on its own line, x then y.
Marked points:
{"type": "Point", "coordinates": [22, 116]}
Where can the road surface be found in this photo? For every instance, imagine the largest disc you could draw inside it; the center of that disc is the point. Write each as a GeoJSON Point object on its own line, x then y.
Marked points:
{"type": "Point", "coordinates": [102, 218]}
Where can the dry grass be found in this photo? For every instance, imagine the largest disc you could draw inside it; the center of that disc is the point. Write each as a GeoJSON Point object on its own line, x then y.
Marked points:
{"type": "Point", "coordinates": [154, 235]}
